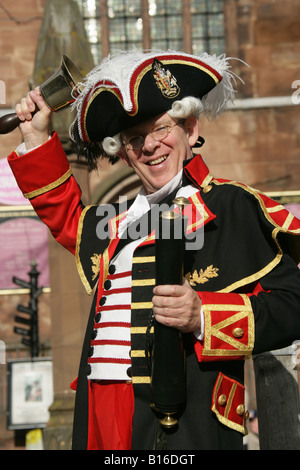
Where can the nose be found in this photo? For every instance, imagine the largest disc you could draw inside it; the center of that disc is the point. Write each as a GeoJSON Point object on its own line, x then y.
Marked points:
{"type": "Point", "coordinates": [150, 144]}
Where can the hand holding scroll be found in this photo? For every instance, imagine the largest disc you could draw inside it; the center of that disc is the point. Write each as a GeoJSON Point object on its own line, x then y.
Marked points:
{"type": "Point", "coordinates": [177, 306]}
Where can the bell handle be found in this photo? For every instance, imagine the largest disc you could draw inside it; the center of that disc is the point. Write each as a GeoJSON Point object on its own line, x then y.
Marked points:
{"type": "Point", "coordinates": [10, 122]}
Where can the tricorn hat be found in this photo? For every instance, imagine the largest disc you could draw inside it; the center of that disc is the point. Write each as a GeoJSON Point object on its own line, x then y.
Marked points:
{"type": "Point", "coordinates": [131, 87]}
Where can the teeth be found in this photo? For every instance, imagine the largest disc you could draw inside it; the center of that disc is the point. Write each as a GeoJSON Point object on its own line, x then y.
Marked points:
{"type": "Point", "coordinates": [159, 160]}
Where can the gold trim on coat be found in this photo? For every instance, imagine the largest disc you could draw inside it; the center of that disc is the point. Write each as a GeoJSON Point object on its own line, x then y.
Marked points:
{"type": "Point", "coordinates": [243, 311]}
{"type": "Point", "coordinates": [80, 270]}
{"type": "Point", "coordinates": [268, 268]}
{"type": "Point", "coordinates": [45, 189]}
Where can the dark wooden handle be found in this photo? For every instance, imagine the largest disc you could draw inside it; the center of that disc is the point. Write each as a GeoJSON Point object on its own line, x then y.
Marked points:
{"type": "Point", "coordinates": [8, 123]}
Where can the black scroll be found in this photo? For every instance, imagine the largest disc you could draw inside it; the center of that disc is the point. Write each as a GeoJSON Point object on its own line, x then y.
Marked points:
{"type": "Point", "coordinates": [168, 382]}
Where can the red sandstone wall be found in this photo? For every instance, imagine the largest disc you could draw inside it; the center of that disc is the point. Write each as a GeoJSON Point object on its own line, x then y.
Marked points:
{"type": "Point", "coordinates": [20, 22]}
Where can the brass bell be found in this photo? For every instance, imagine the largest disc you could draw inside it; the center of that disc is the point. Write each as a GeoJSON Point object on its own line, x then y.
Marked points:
{"type": "Point", "coordinates": [63, 86]}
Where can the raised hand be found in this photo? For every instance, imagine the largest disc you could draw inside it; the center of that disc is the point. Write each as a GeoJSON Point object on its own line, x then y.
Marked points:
{"type": "Point", "coordinates": [35, 117]}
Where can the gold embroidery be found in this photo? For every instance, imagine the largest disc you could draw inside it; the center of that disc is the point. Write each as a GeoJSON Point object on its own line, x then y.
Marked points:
{"type": "Point", "coordinates": [140, 330]}
{"type": "Point", "coordinates": [138, 353]}
{"type": "Point", "coordinates": [143, 259]}
{"type": "Point", "coordinates": [95, 265]}
{"type": "Point", "coordinates": [230, 399]}
{"type": "Point", "coordinates": [278, 208]}
{"type": "Point", "coordinates": [165, 81]}
{"type": "Point", "coordinates": [105, 264]}
{"type": "Point", "coordinates": [138, 305]}
{"type": "Point", "coordinates": [288, 222]}
{"type": "Point", "coordinates": [203, 276]}
{"type": "Point", "coordinates": [80, 269]}
{"type": "Point", "coordinates": [141, 380]}
{"type": "Point", "coordinates": [243, 311]}
{"type": "Point", "coordinates": [207, 180]}
{"type": "Point", "coordinates": [227, 308]}
{"type": "Point", "coordinates": [143, 282]}
{"type": "Point", "coordinates": [248, 280]}
{"type": "Point", "coordinates": [277, 229]}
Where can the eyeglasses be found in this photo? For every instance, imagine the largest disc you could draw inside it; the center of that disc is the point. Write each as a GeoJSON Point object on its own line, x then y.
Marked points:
{"type": "Point", "coordinates": [158, 133]}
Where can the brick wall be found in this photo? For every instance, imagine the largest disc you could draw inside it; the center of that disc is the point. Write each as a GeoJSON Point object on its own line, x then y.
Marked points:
{"type": "Point", "coordinates": [266, 35]}
{"type": "Point", "coordinates": [20, 22]}
{"type": "Point", "coordinates": [260, 146]}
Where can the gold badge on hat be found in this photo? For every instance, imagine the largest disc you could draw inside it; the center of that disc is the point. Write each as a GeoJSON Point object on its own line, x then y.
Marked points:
{"type": "Point", "coordinates": [165, 81]}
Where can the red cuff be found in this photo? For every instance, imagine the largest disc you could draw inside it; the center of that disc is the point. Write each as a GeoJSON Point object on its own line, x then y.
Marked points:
{"type": "Point", "coordinates": [41, 169]}
{"type": "Point", "coordinates": [228, 403]}
{"type": "Point", "coordinates": [228, 327]}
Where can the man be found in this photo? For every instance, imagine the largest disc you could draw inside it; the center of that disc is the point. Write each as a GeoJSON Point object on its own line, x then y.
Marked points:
{"type": "Point", "coordinates": [144, 109]}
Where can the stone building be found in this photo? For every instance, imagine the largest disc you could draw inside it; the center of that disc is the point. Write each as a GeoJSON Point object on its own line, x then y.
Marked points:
{"type": "Point", "coordinates": [256, 141]}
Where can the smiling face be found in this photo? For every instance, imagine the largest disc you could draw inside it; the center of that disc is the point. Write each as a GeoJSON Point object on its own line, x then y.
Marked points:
{"type": "Point", "coordinates": [157, 162]}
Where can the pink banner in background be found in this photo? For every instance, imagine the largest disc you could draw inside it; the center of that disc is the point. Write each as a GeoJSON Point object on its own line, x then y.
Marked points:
{"type": "Point", "coordinates": [10, 194]}
{"type": "Point", "coordinates": [23, 237]}
{"type": "Point", "coordinates": [23, 240]}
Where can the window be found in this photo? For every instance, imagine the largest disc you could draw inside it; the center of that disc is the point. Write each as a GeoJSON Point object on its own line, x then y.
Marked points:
{"type": "Point", "coordinates": [125, 24]}
{"type": "Point", "coordinates": [207, 26]}
{"type": "Point", "coordinates": [166, 24]}
{"type": "Point", "coordinates": [91, 18]}
{"type": "Point", "coordinates": [193, 26]}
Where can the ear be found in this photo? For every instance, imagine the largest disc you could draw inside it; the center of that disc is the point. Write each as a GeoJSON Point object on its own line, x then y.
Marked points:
{"type": "Point", "coordinates": [191, 126]}
{"type": "Point", "coordinates": [123, 155]}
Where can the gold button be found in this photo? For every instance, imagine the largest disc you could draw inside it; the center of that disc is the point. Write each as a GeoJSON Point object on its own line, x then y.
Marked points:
{"type": "Point", "coordinates": [222, 400]}
{"type": "Point", "coordinates": [240, 410]}
{"type": "Point", "coordinates": [238, 332]}
{"type": "Point", "coordinates": [247, 415]}
{"type": "Point", "coordinates": [207, 188]}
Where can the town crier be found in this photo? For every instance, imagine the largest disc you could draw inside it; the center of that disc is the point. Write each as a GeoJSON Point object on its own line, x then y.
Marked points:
{"type": "Point", "coordinates": [240, 293]}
